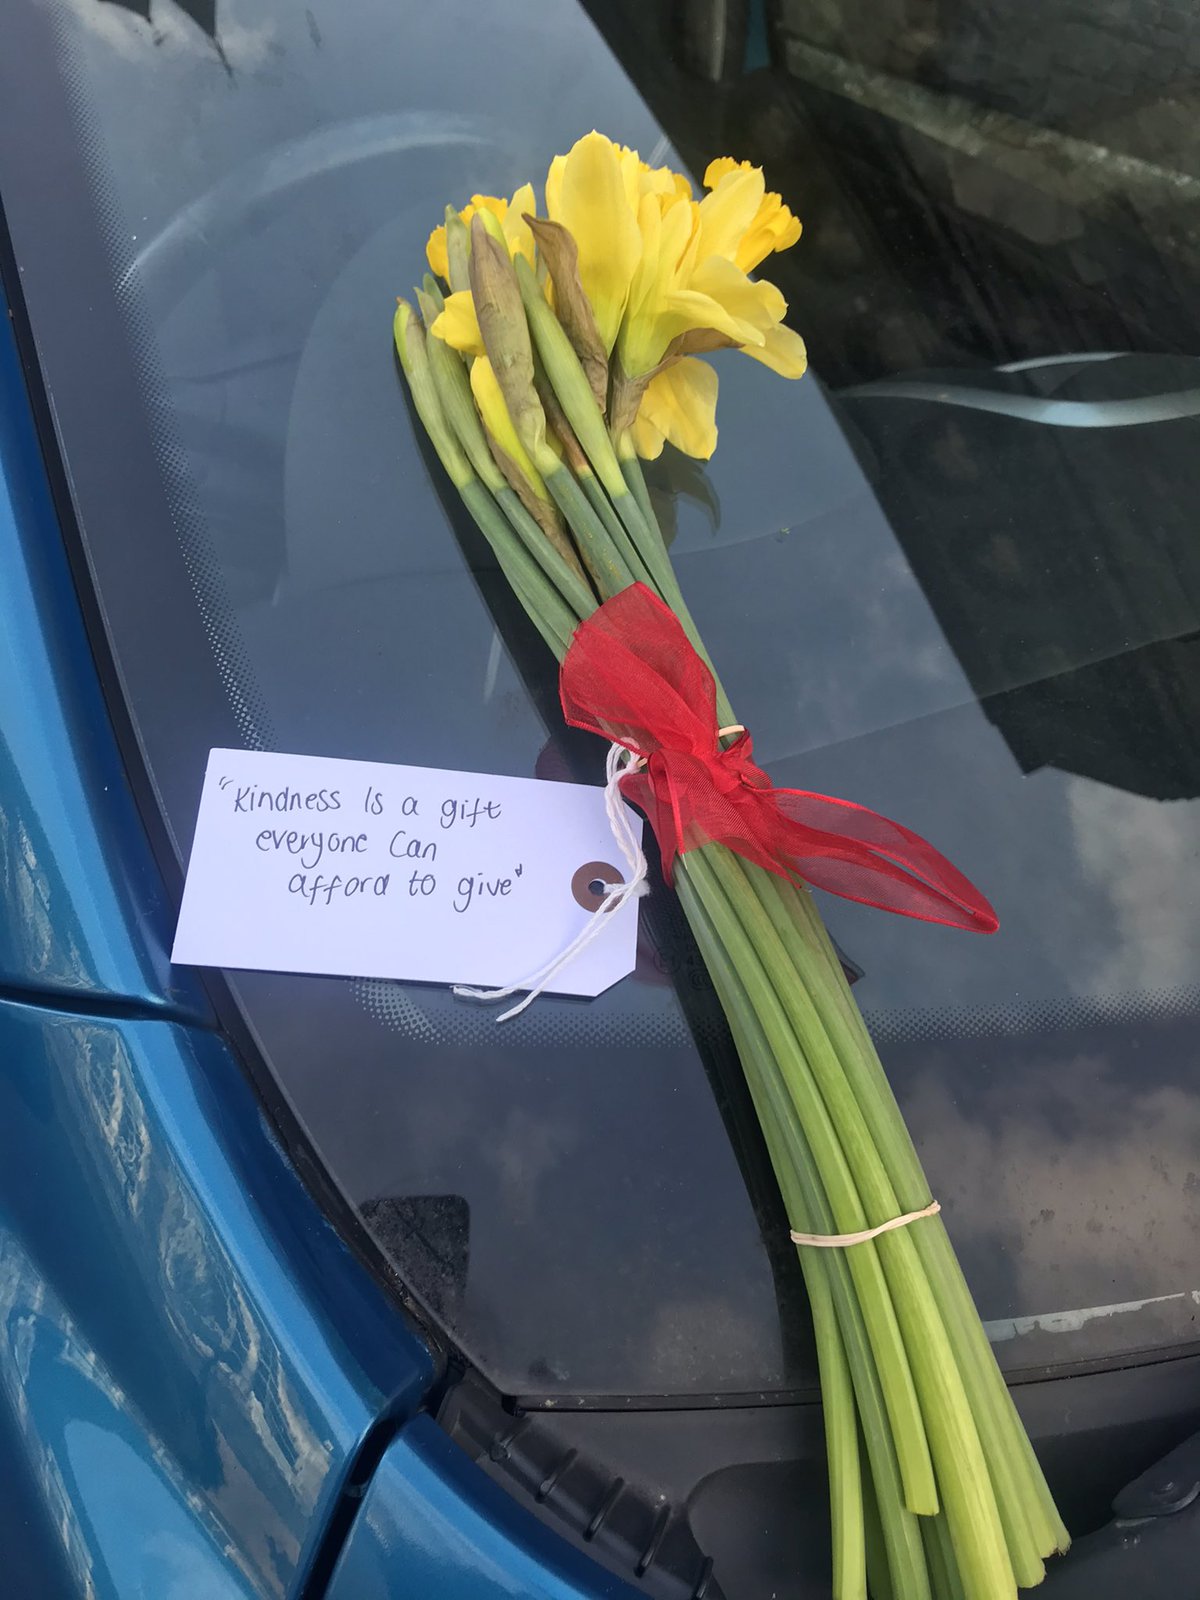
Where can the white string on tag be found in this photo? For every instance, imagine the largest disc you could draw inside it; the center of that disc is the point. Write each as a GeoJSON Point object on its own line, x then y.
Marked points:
{"type": "Point", "coordinates": [612, 897]}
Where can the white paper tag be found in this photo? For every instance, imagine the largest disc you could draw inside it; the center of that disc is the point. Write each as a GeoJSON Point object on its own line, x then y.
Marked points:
{"type": "Point", "coordinates": [309, 864]}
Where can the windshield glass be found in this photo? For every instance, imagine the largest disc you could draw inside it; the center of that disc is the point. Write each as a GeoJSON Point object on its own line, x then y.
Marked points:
{"type": "Point", "coordinates": [953, 575]}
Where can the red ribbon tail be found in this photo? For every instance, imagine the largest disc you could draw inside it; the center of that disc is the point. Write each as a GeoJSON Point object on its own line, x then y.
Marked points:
{"type": "Point", "coordinates": [852, 851]}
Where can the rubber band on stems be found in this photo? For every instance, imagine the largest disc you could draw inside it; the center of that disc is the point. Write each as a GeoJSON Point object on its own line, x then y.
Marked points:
{"type": "Point", "coordinates": [836, 1241]}
{"type": "Point", "coordinates": [612, 897]}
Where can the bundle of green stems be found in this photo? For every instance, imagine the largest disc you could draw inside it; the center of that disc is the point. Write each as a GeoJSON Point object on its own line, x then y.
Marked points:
{"type": "Point", "coordinates": [935, 1490]}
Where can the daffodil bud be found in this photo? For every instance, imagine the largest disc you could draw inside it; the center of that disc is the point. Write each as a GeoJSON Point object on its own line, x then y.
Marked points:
{"type": "Point", "coordinates": [454, 395]}
{"type": "Point", "coordinates": [492, 225]}
{"type": "Point", "coordinates": [458, 251]}
{"type": "Point", "coordinates": [505, 332]}
{"type": "Point", "coordinates": [400, 323]}
{"type": "Point", "coordinates": [409, 333]}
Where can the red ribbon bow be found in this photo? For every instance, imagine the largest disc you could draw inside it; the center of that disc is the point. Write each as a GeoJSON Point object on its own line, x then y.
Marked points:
{"type": "Point", "coordinates": [631, 675]}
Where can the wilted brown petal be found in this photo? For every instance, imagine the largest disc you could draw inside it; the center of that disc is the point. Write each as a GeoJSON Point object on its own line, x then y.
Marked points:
{"type": "Point", "coordinates": [556, 419]}
{"type": "Point", "coordinates": [625, 400]}
{"type": "Point", "coordinates": [572, 305]}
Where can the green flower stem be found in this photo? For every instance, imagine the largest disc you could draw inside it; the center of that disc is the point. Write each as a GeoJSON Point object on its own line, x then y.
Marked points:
{"type": "Point", "coordinates": [943, 1567]}
{"type": "Point", "coordinates": [570, 384]}
{"type": "Point", "coordinates": [837, 1394]}
{"type": "Point", "coordinates": [669, 590]}
{"type": "Point", "coordinates": [901, 1348]}
{"type": "Point", "coordinates": [610, 571]}
{"type": "Point", "coordinates": [1016, 1479]}
{"type": "Point", "coordinates": [647, 540]}
{"type": "Point", "coordinates": [841, 1445]}
{"type": "Point", "coordinates": [572, 588]}
{"type": "Point", "coordinates": [614, 527]}
{"type": "Point", "coordinates": [1031, 1523]}
{"type": "Point", "coordinates": [1033, 1528]}
{"type": "Point", "coordinates": [703, 868]}
{"type": "Point", "coordinates": [545, 605]}
{"type": "Point", "coordinates": [949, 1422]}
{"type": "Point", "coordinates": [899, 1528]}
{"type": "Point", "coordinates": [631, 471]}
{"type": "Point", "coordinates": [808, 1210]}
{"type": "Point", "coordinates": [646, 537]}
{"type": "Point", "coordinates": [541, 599]}
{"type": "Point", "coordinates": [552, 640]}
{"type": "Point", "coordinates": [879, 1572]}
{"type": "Point", "coordinates": [453, 388]}
{"type": "Point", "coordinates": [409, 334]}
{"type": "Point", "coordinates": [1029, 1519]}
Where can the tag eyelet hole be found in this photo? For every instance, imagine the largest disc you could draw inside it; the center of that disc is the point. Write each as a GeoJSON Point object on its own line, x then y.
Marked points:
{"type": "Point", "coordinates": [590, 881]}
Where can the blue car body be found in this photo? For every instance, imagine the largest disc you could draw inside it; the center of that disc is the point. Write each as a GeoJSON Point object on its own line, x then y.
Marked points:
{"type": "Point", "coordinates": [203, 1393]}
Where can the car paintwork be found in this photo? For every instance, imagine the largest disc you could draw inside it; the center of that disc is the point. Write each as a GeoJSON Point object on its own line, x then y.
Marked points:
{"type": "Point", "coordinates": [86, 915]}
{"type": "Point", "coordinates": [179, 1404]}
{"type": "Point", "coordinates": [194, 1368]}
{"type": "Point", "coordinates": [181, 1398]}
{"type": "Point", "coordinates": [429, 1527]}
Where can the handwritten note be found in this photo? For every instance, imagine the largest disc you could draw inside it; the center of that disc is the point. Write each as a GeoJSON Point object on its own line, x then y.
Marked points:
{"type": "Point", "coordinates": [308, 864]}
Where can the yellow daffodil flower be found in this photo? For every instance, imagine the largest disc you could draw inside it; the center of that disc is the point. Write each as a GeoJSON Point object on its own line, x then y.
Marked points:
{"type": "Point", "coordinates": [782, 349]}
{"type": "Point", "coordinates": [641, 178]}
{"type": "Point", "coordinates": [666, 277]}
{"type": "Point", "coordinates": [586, 191]}
{"type": "Point", "coordinates": [768, 226]}
{"type": "Point", "coordinates": [511, 215]}
{"type": "Point", "coordinates": [691, 278]}
{"type": "Point", "coordinates": [668, 299]}
{"type": "Point", "coordinates": [679, 407]}
{"type": "Point", "coordinates": [638, 177]}
{"type": "Point", "coordinates": [756, 305]}
{"type": "Point", "coordinates": [458, 325]}
{"type": "Point", "coordinates": [692, 282]}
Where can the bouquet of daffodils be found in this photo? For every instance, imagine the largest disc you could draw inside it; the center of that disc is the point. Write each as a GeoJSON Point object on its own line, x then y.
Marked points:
{"type": "Point", "coordinates": [547, 355]}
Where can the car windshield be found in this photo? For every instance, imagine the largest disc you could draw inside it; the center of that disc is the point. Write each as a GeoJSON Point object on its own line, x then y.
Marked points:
{"type": "Point", "coordinates": [952, 574]}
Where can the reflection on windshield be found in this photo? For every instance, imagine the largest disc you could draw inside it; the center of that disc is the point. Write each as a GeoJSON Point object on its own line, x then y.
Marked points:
{"type": "Point", "coordinates": [203, 24]}
{"type": "Point", "coordinates": [995, 274]}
